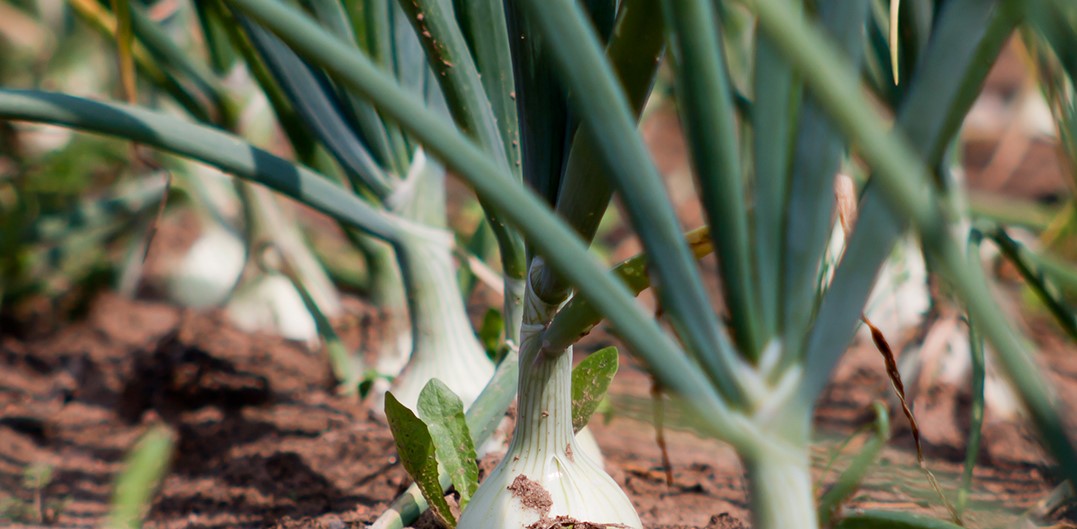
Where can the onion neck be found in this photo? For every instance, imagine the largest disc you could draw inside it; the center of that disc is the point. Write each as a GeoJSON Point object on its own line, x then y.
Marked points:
{"type": "Point", "coordinates": [544, 416]}
{"type": "Point", "coordinates": [779, 471]}
{"type": "Point", "coordinates": [438, 317]}
{"type": "Point", "coordinates": [544, 449]}
{"type": "Point", "coordinates": [781, 489]}
{"type": "Point", "coordinates": [443, 345]}
{"type": "Point", "coordinates": [544, 409]}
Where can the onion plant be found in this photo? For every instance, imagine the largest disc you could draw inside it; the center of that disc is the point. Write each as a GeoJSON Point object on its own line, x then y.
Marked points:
{"type": "Point", "coordinates": [413, 278]}
{"type": "Point", "coordinates": [388, 165]}
{"type": "Point", "coordinates": [764, 167]}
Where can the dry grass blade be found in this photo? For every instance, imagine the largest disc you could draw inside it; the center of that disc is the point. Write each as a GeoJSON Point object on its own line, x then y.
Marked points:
{"type": "Point", "coordinates": [895, 379]}
{"type": "Point", "coordinates": [125, 58]}
{"type": "Point", "coordinates": [124, 45]}
{"type": "Point", "coordinates": [152, 232]}
{"type": "Point", "coordinates": [660, 429]}
{"type": "Point", "coordinates": [895, 43]}
{"type": "Point", "coordinates": [142, 158]}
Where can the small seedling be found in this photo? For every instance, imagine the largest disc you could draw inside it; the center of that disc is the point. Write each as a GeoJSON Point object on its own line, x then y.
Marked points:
{"type": "Point", "coordinates": [438, 440]}
{"type": "Point", "coordinates": [38, 509]}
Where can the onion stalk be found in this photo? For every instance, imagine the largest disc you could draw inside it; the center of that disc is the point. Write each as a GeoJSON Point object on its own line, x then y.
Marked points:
{"type": "Point", "coordinates": [545, 477]}
{"type": "Point", "coordinates": [443, 344]}
{"type": "Point", "coordinates": [781, 489]}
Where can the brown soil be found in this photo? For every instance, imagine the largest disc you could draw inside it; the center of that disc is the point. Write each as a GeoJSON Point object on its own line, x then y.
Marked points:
{"type": "Point", "coordinates": [263, 441]}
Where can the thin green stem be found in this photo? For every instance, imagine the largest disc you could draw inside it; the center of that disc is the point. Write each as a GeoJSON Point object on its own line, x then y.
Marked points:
{"type": "Point", "coordinates": [873, 519]}
{"type": "Point", "coordinates": [976, 410]}
{"type": "Point", "coordinates": [1027, 265]}
{"type": "Point", "coordinates": [49, 228]}
{"type": "Point", "coordinates": [809, 215]}
{"type": "Point", "coordinates": [95, 15]}
{"type": "Point", "coordinates": [382, 26]}
{"type": "Point", "coordinates": [310, 96]}
{"type": "Point", "coordinates": [605, 115]}
{"type": "Point", "coordinates": [483, 25]}
{"type": "Point", "coordinates": [448, 55]}
{"type": "Point", "coordinates": [836, 86]}
{"type": "Point", "coordinates": [546, 127]}
{"type": "Point", "coordinates": [634, 50]}
{"type": "Point", "coordinates": [707, 111]}
{"type": "Point", "coordinates": [1012, 211]}
{"type": "Point", "coordinates": [447, 52]}
{"type": "Point", "coordinates": [304, 145]}
{"type": "Point", "coordinates": [578, 317]}
{"type": "Point", "coordinates": [347, 368]}
{"type": "Point", "coordinates": [166, 51]}
{"type": "Point", "coordinates": [777, 93]}
{"type": "Point", "coordinates": [214, 33]}
{"type": "Point", "coordinates": [206, 144]}
{"type": "Point", "coordinates": [334, 17]}
{"type": "Point", "coordinates": [849, 481]}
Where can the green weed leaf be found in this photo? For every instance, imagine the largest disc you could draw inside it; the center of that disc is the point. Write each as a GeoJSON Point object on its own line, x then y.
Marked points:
{"type": "Point", "coordinates": [893, 520]}
{"type": "Point", "coordinates": [590, 380]}
{"type": "Point", "coordinates": [849, 480]}
{"type": "Point", "coordinates": [443, 414]}
{"type": "Point", "coordinates": [416, 450]}
{"type": "Point", "coordinates": [136, 485]}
